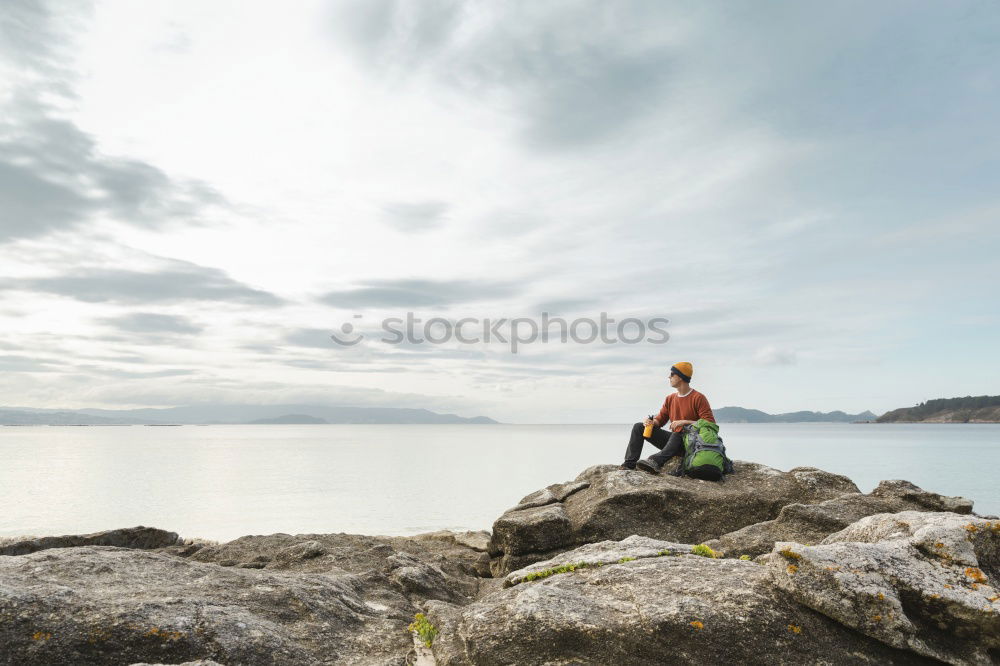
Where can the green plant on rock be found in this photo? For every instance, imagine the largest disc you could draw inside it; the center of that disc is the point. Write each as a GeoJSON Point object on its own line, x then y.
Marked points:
{"type": "Point", "coordinates": [626, 559]}
{"type": "Point", "coordinates": [744, 557]}
{"type": "Point", "coordinates": [426, 631]}
{"type": "Point", "coordinates": [545, 573]}
{"type": "Point", "coordinates": [704, 551]}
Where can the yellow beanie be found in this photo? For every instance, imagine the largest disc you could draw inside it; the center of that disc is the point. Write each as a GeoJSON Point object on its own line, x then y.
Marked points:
{"type": "Point", "coordinates": [684, 369]}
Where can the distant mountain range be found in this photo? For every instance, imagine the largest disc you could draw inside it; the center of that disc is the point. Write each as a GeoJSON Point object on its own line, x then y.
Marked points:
{"type": "Point", "coordinates": [970, 409]}
{"type": "Point", "coordinates": [743, 415]}
{"type": "Point", "coordinates": [291, 418]}
{"type": "Point", "coordinates": [978, 409]}
{"type": "Point", "coordinates": [231, 414]}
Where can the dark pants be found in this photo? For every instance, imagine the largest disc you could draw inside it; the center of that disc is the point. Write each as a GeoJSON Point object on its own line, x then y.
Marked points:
{"type": "Point", "coordinates": [669, 443]}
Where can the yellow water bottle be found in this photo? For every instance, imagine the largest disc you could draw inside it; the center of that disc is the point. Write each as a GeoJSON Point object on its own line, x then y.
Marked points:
{"type": "Point", "coordinates": [648, 432]}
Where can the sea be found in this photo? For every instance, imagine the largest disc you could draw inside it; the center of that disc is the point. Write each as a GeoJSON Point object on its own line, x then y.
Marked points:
{"type": "Point", "coordinates": [220, 482]}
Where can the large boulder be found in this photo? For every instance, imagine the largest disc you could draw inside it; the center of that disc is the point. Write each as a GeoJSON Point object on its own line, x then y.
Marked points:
{"type": "Point", "coordinates": [811, 523]}
{"type": "Point", "coordinates": [128, 537]}
{"type": "Point", "coordinates": [605, 502]}
{"type": "Point", "coordinates": [597, 555]}
{"type": "Point", "coordinates": [103, 605]}
{"type": "Point", "coordinates": [460, 553]}
{"type": "Point", "coordinates": [275, 599]}
{"type": "Point", "coordinates": [639, 602]}
{"type": "Point", "coordinates": [926, 582]}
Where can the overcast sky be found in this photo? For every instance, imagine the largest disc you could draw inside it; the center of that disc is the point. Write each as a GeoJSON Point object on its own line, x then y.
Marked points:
{"type": "Point", "coordinates": [194, 194]}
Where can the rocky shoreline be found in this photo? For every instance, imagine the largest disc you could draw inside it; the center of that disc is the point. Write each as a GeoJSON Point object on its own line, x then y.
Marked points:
{"type": "Point", "coordinates": [613, 567]}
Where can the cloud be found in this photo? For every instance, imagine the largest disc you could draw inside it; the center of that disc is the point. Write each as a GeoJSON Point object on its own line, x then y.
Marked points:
{"type": "Point", "coordinates": [415, 293]}
{"type": "Point", "coordinates": [201, 389]}
{"type": "Point", "coordinates": [259, 347]}
{"type": "Point", "coordinates": [151, 322]}
{"type": "Point", "coordinates": [774, 356]}
{"type": "Point", "coordinates": [34, 206]}
{"type": "Point", "coordinates": [310, 337]}
{"type": "Point", "coordinates": [184, 282]}
{"type": "Point", "coordinates": [121, 358]}
{"type": "Point", "coordinates": [388, 31]}
{"type": "Point", "coordinates": [413, 217]}
{"type": "Point", "coordinates": [783, 181]}
{"type": "Point", "coordinates": [16, 363]}
{"type": "Point", "coordinates": [176, 41]}
{"type": "Point", "coordinates": [567, 306]}
{"type": "Point", "coordinates": [53, 175]}
{"type": "Point", "coordinates": [31, 39]}
{"type": "Point", "coordinates": [106, 371]}
{"type": "Point", "coordinates": [576, 72]}
{"type": "Point", "coordinates": [312, 364]}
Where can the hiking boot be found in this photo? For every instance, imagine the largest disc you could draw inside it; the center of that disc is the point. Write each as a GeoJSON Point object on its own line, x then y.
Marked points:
{"type": "Point", "coordinates": [626, 466]}
{"type": "Point", "coordinates": [648, 466]}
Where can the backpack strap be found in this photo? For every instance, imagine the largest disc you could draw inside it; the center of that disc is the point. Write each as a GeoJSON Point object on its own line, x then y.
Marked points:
{"type": "Point", "coordinates": [727, 464]}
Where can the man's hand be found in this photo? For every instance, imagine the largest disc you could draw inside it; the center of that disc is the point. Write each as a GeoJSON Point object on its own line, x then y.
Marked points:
{"type": "Point", "coordinates": [681, 423]}
{"type": "Point", "coordinates": [648, 421]}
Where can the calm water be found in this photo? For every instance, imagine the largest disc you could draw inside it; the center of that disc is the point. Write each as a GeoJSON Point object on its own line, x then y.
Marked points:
{"type": "Point", "coordinates": [221, 482]}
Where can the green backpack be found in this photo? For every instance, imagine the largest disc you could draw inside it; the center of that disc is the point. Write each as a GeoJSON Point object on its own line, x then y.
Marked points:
{"type": "Point", "coordinates": [705, 455]}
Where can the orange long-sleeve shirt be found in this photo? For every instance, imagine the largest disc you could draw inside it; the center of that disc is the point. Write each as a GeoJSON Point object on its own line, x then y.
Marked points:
{"type": "Point", "coordinates": [692, 406]}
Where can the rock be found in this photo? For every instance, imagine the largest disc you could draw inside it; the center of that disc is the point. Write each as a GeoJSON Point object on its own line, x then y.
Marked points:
{"type": "Point", "coordinates": [477, 563]}
{"type": "Point", "coordinates": [926, 582]}
{"type": "Point", "coordinates": [274, 599]}
{"type": "Point", "coordinates": [554, 493]}
{"type": "Point", "coordinates": [419, 568]}
{"type": "Point", "coordinates": [908, 492]}
{"type": "Point", "coordinates": [348, 552]}
{"type": "Point", "coordinates": [653, 610]}
{"type": "Point", "coordinates": [811, 523]}
{"type": "Point", "coordinates": [200, 662]}
{"type": "Point", "coordinates": [304, 550]}
{"type": "Point", "coordinates": [599, 554]}
{"type": "Point", "coordinates": [100, 605]}
{"type": "Point", "coordinates": [475, 540]}
{"type": "Point", "coordinates": [422, 580]}
{"type": "Point", "coordinates": [129, 537]}
{"type": "Point", "coordinates": [529, 533]}
{"type": "Point", "coordinates": [605, 502]}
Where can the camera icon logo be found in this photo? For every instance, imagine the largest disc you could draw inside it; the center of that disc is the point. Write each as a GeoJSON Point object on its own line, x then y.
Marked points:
{"type": "Point", "coordinates": [347, 328]}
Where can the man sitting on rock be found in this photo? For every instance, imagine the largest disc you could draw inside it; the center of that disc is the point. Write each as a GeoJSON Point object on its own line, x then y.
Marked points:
{"type": "Point", "coordinates": [680, 409]}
